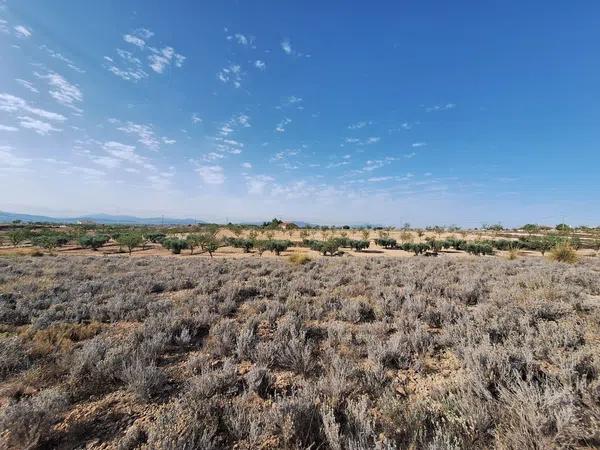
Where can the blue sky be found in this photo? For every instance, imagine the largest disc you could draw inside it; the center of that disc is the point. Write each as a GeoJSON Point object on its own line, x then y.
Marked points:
{"type": "Point", "coordinates": [425, 112]}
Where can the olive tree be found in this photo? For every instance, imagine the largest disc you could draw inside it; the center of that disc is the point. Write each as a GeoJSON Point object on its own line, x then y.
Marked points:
{"type": "Point", "coordinates": [93, 241]}
{"type": "Point", "coordinates": [359, 245]}
{"type": "Point", "coordinates": [49, 241]}
{"type": "Point", "coordinates": [193, 241]}
{"type": "Point", "coordinates": [17, 236]}
{"type": "Point", "coordinates": [130, 240]}
{"type": "Point", "coordinates": [175, 245]}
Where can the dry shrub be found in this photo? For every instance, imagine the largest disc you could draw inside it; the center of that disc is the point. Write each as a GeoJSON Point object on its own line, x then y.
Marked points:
{"type": "Point", "coordinates": [345, 353]}
{"type": "Point", "coordinates": [513, 254]}
{"type": "Point", "coordinates": [564, 253]}
{"type": "Point", "coordinates": [28, 422]}
{"type": "Point", "coordinates": [299, 259]}
{"type": "Point", "coordinates": [142, 379]}
{"type": "Point", "coordinates": [13, 356]}
{"type": "Point", "coordinates": [60, 337]}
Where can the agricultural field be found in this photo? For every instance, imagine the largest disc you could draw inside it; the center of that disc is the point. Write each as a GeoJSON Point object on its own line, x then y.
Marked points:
{"type": "Point", "coordinates": [325, 352]}
{"type": "Point", "coordinates": [272, 240]}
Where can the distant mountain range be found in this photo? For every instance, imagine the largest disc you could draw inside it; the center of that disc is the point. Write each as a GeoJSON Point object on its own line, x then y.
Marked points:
{"type": "Point", "coordinates": [7, 217]}
{"type": "Point", "coordinates": [109, 219]}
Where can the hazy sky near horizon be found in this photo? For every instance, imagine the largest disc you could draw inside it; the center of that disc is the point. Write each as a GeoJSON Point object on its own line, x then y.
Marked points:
{"type": "Point", "coordinates": [428, 112]}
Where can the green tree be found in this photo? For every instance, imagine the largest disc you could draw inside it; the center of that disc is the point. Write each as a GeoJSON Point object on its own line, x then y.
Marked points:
{"type": "Point", "coordinates": [175, 245]}
{"type": "Point", "coordinates": [278, 246]}
{"type": "Point", "coordinates": [193, 241]}
{"type": "Point", "coordinates": [49, 241]}
{"type": "Point", "coordinates": [545, 244]}
{"type": "Point", "coordinates": [576, 242]}
{"type": "Point", "coordinates": [211, 246]}
{"type": "Point", "coordinates": [155, 237]}
{"type": "Point", "coordinates": [18, 236]}
{"type": "Point", "coordinates": [93, 241]}
{"type": "Point", "coordinates": [531, 228]}
{"type": "Point", "coordinates": [130, 240]}
{"type": "Point", "coordinates": [208, 242]}
{"type": "Point", "coordinates": [330, 246]}
{"type": "Point", "coordinates": [359, 245]}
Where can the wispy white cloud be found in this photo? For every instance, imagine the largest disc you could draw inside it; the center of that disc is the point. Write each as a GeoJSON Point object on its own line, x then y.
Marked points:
{"type": "Point", "coordinates": [61, 57]}
{"type": "Point", "coordinates": [161, 181]}
{"type": "Point", "coordinates": [379, 179]}
{"type": "Point", "coordinates": [247, 165]}
{"type": "Point", "coordinates": [62, 91]}
{"type": "Point", "coordinates": [107, 161]}
{"type": "Point", "coordinates": [212, 156]}
{"type": "Point", "coordinates": [373, 164]}
{"type": "Point", "coordinates": [280, 128]}
{"type": "Point", "coordinates": [138, 37]}
{"type": "Point", "coordinates": [211, 174]}
{"type": "Point", "coordinates": [9, 159]}
{"type": "Point", "coordinates": [40, 127]}
{"type": "Point", "coordinates": [144, 133]}
{"type": "Point", "coordinates": [337, 164]}
{"type": "Point", "coordinates": [260, 64]}
{"type": "Point", "coordinates": [419, 144]}
{"type": "Point", "coordinates": [127, 153]}
{"type": "Point", "coordinates": [284, 154]}
{"type": "Point", "coordinates": [256, 184]}
{"type": "Point", "coordinates": [358, 125]}
{"type": "Point", "coordinates": [163, 58]}
{"type": "Point", "coordinates": [11, 103]}
{"type": "Point", "coordinates": [8, 128]}
{"type": "Point", "coordinates": [28, 85]}
{"type": "Point", "coordinates": [362, 142]}
{"type": "Point", "coordinates": [134, 40]}
{"type": "Point", "coordinates": [445, 107]}
{"type": "Point", "coordinates": [286, 46]}
{"type": "Point", "coordinates": [239, 120]}
{"type": "Point", "coordinates": [240, 38]}
{"type": "Point", "coordinates": [88, 173]}
{"type": "Point", "coordinates": [196, 118]}
{"type": "Point", "coordinates": [243, 120]}
{"type": "Point", "coordinates": [22, 31]}
{"type": "Point", "coordinates": [231, 74]}
{"type": "Point", "coordinates": [130, 67]}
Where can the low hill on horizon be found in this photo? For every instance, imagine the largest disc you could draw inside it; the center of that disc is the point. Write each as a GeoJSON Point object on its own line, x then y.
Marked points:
{"type": "Point", "coordinates": [7, 217]}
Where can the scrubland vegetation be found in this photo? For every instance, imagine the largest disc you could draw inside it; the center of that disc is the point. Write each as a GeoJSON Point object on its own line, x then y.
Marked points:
{"type": "Point", "coordinates": [327, 353]}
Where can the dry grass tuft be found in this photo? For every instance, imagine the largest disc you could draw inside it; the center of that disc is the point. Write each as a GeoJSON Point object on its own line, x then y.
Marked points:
{"type": "Point", "coordinates": [513, 254]}
{"type": "Point", "coordinates": [299, 258]}
{"type": "Point", "coordinates": [564, 253]}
